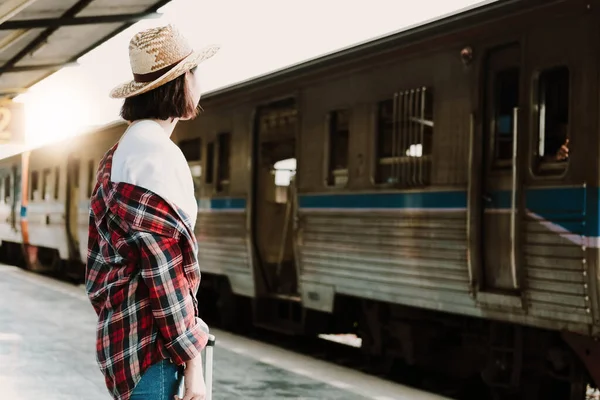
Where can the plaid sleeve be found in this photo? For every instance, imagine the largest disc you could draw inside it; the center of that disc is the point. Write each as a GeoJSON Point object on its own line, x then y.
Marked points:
{"type": "Point", "coordinates": [171, 299]}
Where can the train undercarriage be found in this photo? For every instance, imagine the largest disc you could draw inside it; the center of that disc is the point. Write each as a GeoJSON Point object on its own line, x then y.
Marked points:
{"type": "Point", "coordinates": [506, 361]}
{"type": "Point", "coordinates": [461, 357]}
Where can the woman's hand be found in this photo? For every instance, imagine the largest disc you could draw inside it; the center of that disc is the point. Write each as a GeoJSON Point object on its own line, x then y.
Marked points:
{"type": "Point", "coordinates": [195, 388]}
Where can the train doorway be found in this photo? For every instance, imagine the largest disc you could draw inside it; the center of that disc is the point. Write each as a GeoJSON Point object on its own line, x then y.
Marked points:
{"type": "Point", "coordinates": [274, 195]}
{"type": "Point", "coordinates": [500, 186]}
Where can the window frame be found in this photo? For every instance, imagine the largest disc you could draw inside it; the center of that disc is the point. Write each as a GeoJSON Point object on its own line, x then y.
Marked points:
{"type": "Point", "coordinates": [534, 137]}
{"type": "Point", "coordinates": [426, 167]}
{"type": "Point", "coordinates": [499, 56]}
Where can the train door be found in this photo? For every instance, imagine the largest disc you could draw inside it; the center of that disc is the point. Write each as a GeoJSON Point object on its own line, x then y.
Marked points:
{"type": "Point", "coordinates": [72, 204]}
{"type": "Point", "coordinates": [273, 195]}
{"type": "Point", "coordinates": [500, 185]}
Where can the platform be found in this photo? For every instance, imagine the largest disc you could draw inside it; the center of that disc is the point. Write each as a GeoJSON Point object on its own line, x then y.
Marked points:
{"type": "Point", "coordinates": [47, 333]}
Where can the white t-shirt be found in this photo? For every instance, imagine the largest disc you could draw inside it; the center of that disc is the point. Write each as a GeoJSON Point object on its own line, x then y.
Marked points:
{"type": "Point", "coordinates": [146, 157]}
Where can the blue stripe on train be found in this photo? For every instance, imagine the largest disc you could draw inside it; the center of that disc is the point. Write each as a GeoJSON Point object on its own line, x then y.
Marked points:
{"type": "Point", "coordinates": [433, 200]}
{"type": "Point", "coordinates": [566, 208]}
{"type": "Point", "coordinates": [562, 200]}
{"type": "Point", "coordinates": [554, 200]}
{"type": "Point", "coordinates": [565, 200]}
{"type": "Point", "coordinates": [574, 209]}
{"type": "Point", "coordinates": [230, 203]}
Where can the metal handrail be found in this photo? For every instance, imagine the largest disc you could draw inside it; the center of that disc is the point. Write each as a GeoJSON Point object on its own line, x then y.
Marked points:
{"type": "Point", "coordinates": [395, 172]}
{"type": "Point", "coordinates": [208, 368]}
{"type": "Point", "coordinates": [470, 263]}
{"type": "Point", "coordinates": [513, 200]}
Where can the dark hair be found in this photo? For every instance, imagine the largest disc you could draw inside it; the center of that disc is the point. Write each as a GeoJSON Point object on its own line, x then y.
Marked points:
{"type": "Point", "coordinates": [171, 100]}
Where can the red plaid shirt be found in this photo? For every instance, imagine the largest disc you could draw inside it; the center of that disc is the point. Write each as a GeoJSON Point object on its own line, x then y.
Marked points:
{"type": "Point", "coordinates": [142, 276]}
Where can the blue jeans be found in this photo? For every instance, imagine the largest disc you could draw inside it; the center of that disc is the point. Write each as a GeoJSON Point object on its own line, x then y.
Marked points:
{"type": "Point", "coordinates": [159, 382]}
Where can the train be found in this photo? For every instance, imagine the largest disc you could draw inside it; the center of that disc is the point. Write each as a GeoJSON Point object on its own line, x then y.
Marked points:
{"type": "Point", "coordinates": [435, 191]}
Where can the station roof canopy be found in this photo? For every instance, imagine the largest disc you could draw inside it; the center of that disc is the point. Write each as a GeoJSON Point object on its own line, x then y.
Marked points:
{"type": "Point", "coordinates": [39, 37]}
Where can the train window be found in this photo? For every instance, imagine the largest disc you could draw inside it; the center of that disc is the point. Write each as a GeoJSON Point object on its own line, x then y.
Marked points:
{"type": "Point", "coordinates": [552, 152]}
{"type": "Point", "coordinates": [34, 195]}
{"type": "Point", "coordinates": [191, 149]}
{"type": "Point", "coordinates": [7, 187]}
{"type": "Point", "coordinates": [223, 168]}
{"type": "Point", "coordinates": [91, 181]}
{"type": "Point", "coordinates": [338, 136]}
{"type": "Point", "coordinates": [210, 162]}
{"type": "Point", "coordinates": [506, 98]}
{"type": "Point", "coordinates": [45, 183]}
{"type": "Point", "coordinates": [404, 138]}
{"type": "Point", "coordinates": [56, 182]}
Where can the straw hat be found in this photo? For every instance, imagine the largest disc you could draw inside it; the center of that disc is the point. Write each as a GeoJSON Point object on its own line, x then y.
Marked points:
{"type": "Point", "coordinates": [158, 56]}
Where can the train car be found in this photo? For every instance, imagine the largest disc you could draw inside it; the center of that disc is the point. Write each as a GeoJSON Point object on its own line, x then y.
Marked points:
{"type": "Point", "coordinates": [434, 190]}
{"type": "Point", "coordinates": [44, 217]}
{"type": "Point", "coordinates": [437, 189]}
{"type": "Point", "coordinates": [80, 166]}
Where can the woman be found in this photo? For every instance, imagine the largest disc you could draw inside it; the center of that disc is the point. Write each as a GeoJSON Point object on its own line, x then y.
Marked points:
{"type": "Point", "coordinates": [142, 270]}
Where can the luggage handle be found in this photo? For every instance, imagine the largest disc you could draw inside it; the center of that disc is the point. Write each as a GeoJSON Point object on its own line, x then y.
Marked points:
{"type": "Point", "coordinates": [208, 367]}
{"type": "Point", "coordinates": [208, 370]}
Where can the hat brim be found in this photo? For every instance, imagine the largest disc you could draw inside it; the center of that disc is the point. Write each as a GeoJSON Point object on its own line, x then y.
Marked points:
{"type": "Point", "coordinates": [133, 88]}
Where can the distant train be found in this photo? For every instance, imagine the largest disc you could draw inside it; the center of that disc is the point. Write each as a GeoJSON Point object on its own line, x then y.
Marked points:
{"type": "Point", "coordinates": [435, 191]}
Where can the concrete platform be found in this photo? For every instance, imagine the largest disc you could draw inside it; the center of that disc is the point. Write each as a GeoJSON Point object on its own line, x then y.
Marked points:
{"type": "Point", "coordinates": [47, 331]}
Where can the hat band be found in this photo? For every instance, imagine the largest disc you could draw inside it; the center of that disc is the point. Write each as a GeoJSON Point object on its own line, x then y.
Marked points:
{"type": "Point", "coordinates": [154, 75]}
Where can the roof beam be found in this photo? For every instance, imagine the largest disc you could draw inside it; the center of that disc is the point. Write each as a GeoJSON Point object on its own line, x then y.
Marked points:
{"type": "Point", "coordinates": [10, 8]}
{"type": "Point", "coordinates": [41, 67]}
{"type": "Point", "coordinates": [58, 22]}
{"type": "Point", "coordinates": [39, 41]}
{"type": "Point", "coordinates": [43, 37]}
